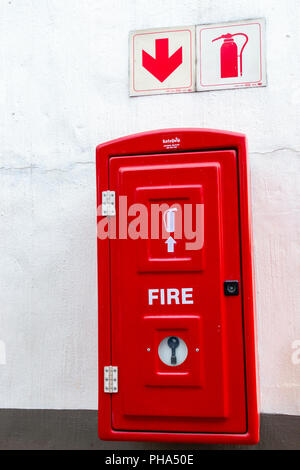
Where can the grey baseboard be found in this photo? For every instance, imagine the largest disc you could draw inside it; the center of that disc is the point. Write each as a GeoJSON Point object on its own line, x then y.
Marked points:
{"type": "Point", "coordinates": [77, 430]}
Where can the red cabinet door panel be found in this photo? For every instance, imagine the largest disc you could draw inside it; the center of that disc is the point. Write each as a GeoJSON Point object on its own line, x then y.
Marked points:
{"type": "Point", "coordinates": [206, 393]}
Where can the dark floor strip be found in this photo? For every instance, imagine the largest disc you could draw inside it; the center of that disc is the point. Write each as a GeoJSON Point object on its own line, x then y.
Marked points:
{"type": "Point", "coordinates": [52, 429]}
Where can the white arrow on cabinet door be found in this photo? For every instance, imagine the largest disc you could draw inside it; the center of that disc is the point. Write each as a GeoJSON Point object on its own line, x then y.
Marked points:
{"type": "Point", "coordinates": [171, 244]}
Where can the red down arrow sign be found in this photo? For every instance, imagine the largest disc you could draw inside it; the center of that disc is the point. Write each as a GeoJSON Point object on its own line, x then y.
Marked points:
{"type": "Point", "coordinates": [162, 66]}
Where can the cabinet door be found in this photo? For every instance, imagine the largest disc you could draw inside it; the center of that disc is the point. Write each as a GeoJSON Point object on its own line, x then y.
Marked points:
{"type": "Point", "coordinates": [162, 290]}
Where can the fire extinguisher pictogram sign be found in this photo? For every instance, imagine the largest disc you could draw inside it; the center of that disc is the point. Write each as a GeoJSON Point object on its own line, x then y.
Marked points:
{"type": "Point", "coordinates": [231, 55]}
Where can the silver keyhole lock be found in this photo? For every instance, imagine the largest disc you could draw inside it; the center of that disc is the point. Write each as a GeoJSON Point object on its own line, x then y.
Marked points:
{"type": "Point", "coordinates": [173, 351]}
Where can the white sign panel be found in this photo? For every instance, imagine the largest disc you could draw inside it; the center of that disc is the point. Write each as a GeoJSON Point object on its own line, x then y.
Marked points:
{"type": "Point", "coordinates": [231, 55]}
{"type": "Point", "coordinates": [162, 61]}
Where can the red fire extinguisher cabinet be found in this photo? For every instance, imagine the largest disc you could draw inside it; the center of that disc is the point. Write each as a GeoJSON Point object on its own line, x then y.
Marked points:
{"type": "Point", "coordinates": [150, 294]}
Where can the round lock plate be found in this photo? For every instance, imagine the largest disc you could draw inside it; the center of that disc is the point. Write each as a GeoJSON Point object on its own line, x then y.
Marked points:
{"type": "Point", "coordinates": [173, 351]}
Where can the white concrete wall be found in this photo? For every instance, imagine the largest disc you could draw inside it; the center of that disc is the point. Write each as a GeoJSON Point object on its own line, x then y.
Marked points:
{"type": "Point", "coordinates": [63, 90]}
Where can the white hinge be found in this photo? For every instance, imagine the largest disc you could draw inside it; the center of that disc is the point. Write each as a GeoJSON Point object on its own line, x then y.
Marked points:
{"type": "Point", "coordinates": [111, 384]}
{"type": "Point", "coordinates": [108, 203]}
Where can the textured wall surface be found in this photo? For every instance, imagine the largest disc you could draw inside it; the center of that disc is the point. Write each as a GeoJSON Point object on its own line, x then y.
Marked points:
{"type": "Point", "coordinates": [63, 90]}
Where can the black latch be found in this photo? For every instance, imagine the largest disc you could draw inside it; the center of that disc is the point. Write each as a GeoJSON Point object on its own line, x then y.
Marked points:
{"type": "Point", "coordinates": [231, 288]}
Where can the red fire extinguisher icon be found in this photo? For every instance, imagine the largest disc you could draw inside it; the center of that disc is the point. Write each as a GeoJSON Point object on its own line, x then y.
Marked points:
{"type": "Point", "coordinates": [230, 55]}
